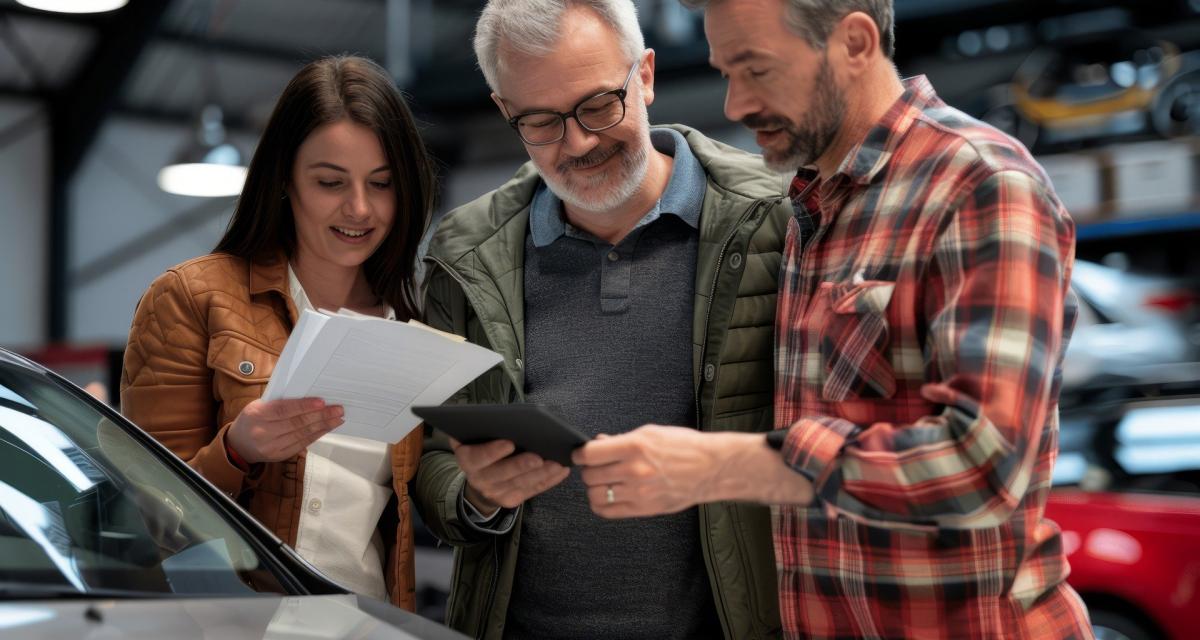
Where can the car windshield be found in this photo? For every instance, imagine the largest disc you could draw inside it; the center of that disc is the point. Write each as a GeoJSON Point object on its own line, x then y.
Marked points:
{"type": "Point", "coordinates": [86, 508]}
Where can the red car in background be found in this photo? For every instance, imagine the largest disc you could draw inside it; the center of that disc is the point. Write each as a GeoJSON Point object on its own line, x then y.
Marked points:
{"type": "Point", "coordinates": [1127, 499]}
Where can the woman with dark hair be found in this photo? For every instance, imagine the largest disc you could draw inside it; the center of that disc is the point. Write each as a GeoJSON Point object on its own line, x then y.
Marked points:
{"type": "Point", "coordinates": [336, 200]}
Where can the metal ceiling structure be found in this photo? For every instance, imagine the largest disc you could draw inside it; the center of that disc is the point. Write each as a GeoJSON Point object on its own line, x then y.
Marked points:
{"type": "Point", "coordinates": [252, 47]}
{"type": "Point", "coordinates": [163, 60]}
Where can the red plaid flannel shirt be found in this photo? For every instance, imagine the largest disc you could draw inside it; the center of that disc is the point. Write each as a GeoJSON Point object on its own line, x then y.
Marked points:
{"type": "Point", "coordinates": [919, 342]}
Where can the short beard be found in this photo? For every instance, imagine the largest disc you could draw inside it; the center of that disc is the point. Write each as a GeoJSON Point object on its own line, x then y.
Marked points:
{"type": "Point", "coordinates": [813, 136]}
{"type": "Point", "coordinates": [628, 172]}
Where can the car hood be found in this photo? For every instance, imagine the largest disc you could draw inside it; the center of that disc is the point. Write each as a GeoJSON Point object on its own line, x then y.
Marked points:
{"type": "Point", "coordinates": [263, 617]}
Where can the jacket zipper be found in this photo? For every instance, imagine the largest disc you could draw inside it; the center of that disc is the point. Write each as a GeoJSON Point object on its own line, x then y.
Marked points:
{"type": "Point", "coordinates": [722, 609]}
{"type": "Point", "coordinates": [713, 292]}
{"type": "Point", "coordinates": [486, 610]}
{"type": "Point", "coordinates": [491, 597]}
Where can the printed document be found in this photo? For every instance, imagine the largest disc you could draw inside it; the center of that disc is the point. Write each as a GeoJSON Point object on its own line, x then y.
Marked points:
{"type": "Point", "coordinates": [375, 368]}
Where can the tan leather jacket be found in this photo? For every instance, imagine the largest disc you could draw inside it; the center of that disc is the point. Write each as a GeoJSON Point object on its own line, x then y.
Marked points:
{"type": "Point", "coordinates": [186, 379]}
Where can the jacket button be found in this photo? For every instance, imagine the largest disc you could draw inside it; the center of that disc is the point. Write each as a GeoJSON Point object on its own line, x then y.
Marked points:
{"type": "Point", "coordinates": [520, 363]}
{"type": "Point", "coordinates": [735, 261]}
{"type": "Point", "coordinates": [246, 367]}
{"type": "Point", "coordinates": [710, 372]}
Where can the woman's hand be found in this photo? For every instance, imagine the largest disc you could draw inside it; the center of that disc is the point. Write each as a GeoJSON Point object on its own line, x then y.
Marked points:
{"type": "Point", "coordinates": [274, 430]}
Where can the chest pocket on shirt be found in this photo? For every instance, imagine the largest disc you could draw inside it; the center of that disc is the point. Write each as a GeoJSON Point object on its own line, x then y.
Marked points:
{"type": "Point", "coordinates": [854, 341]}
{"type": "Point", "coordinates": [241, 370]}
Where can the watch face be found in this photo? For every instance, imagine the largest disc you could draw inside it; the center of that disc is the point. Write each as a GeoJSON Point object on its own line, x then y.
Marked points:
{"type": "Point", "coordinates": [775, 439]}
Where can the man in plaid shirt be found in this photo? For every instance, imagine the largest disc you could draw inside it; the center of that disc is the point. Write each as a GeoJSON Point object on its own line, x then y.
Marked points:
{"type": "Point", "coordinates": [923, 313]}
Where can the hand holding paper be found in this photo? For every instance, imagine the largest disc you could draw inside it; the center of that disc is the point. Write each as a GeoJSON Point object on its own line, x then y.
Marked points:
{"type": "Point", "coordinates": [375, 369]}
{"type": "Point", "coordinates": [274, 430]}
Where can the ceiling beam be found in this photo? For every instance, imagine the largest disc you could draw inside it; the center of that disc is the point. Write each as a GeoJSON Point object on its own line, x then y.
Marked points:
{"type": "Point", "coordinates": [17, 131]}
{"type": "Point", "coordinates": [23, 92]}
{"type": "Point", "coordinates": [77, 111]}
{"type": "Point", "coordinates": [20, 50]}
{"type": "Point", "coordinates": [80, 105]}
{"type": "Point", "coordinates": [234, 122]}
{"type": "Point", "coordinates": [78, 19]}
{"type": "Point", "coordinates": [138, 245]}
{"type": "Point", "coordinates": [222, 46]}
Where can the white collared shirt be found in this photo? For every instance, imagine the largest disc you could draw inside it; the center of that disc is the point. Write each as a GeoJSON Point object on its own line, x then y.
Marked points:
{"type": "Point", "coordinates": [347, 485]}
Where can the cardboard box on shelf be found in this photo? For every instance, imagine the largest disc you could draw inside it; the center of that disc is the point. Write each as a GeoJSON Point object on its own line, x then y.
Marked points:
{"type": "Point", "coordinates": [1077, 181]}
{"type": "Point", "coordinates": [1150, 178]}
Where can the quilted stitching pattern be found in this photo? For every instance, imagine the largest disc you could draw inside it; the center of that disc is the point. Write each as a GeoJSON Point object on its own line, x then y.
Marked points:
{"type": "Point", "coordinates": [182, 383]}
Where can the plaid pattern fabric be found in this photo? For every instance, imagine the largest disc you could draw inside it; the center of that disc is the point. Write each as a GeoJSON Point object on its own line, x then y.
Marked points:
{"type": "Point", "coordinates": [921, 326]}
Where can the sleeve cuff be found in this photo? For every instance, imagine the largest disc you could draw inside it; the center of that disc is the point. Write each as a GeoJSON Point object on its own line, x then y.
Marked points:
{"type": "Point", "coordinates": [500, 523]}
{"type": "Point", "coordinates": [813, 446]}
{"type": "Point", "coordinates": [213, 463]}
{"type": "Point", "coordinates": [475, 515]}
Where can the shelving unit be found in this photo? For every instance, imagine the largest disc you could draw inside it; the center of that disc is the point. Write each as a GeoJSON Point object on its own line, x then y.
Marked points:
{"type": "Point", "coordinates": [1125, 227]}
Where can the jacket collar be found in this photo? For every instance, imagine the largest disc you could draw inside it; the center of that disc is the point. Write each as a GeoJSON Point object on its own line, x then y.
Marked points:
{"type": "Point", "coordinates": [269, 274]}
{"type": "Point", "coordinates": [682, 197]}
{"type": "Point", "coordinates": [728, 171]}
{"type": "Point", "coordinates": [870, 156]}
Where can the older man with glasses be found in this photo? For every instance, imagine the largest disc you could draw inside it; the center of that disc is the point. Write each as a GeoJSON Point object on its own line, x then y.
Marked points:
{"type": "Point", "coordinates": [628, 275]}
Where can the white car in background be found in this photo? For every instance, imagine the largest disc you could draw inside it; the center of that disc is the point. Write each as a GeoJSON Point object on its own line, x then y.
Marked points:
{"type": "Point", "coordinates": [1131, 327]}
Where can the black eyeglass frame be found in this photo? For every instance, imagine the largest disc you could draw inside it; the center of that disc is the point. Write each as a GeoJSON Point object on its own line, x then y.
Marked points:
{"type": "Point", "coordinates": [574, 112]}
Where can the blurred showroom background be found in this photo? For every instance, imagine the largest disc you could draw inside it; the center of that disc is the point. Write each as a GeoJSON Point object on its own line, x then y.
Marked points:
{"type": "Point", "coordinates": [1105, 92]}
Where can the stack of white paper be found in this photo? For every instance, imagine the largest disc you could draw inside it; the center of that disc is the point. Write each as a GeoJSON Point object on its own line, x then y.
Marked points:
{"type": "Point", "coordinates": [375, 368]}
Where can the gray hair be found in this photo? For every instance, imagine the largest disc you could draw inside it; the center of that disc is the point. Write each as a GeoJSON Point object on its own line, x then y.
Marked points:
{"type": "Point", "coordinates": [814, 20]}
{"type": "Point", "coordinates": [532, 27]}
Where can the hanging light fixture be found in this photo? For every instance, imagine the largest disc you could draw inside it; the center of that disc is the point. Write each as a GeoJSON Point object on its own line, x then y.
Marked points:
{"type": "Point", "coordinates": [74, 6]}
{"type": "Point", "coordinates": [207, 167]}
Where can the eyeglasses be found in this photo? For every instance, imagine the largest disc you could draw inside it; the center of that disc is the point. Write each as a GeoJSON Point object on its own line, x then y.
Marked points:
{"type": "Point", "coordinates": [597, 113]}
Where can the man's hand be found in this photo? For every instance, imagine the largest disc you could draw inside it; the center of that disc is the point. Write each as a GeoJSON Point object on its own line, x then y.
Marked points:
{"type": "Point", "coordinates": [655, 470]}
{"type": "Point", "coordinates": [496, 478]}
{"type": "Point", "coordinates": [650, 471]}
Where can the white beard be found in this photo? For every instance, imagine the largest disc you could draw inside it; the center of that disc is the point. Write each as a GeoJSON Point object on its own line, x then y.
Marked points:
{"type": "Point", "coordinates": [624, 177]}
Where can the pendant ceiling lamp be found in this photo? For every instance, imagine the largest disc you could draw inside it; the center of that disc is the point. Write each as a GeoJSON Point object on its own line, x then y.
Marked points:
{"type": "Point", "coordinates": [209, 166]}
{"type": "Point", "coordinates": [74, 6]}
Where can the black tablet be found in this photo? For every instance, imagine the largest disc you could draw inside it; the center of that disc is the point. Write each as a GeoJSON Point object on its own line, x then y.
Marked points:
{"type": "Point", "coordinates": [531, 427]}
